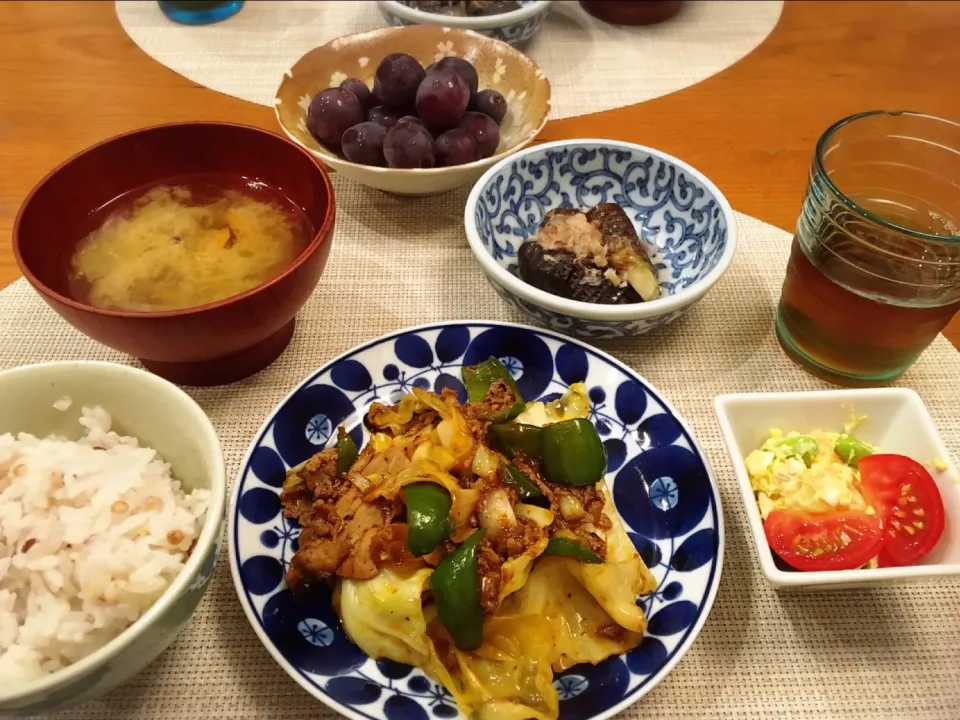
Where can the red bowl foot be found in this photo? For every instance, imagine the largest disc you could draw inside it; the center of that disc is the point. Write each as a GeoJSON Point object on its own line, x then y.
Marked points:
{"type": "Point", "coordinates": [229, 368]}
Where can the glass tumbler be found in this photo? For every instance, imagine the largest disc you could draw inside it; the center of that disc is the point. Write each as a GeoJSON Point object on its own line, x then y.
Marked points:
{"type": "Point", "coordinates": [874, 269]}
{"type": "Point", "coordinates": [200, 12]}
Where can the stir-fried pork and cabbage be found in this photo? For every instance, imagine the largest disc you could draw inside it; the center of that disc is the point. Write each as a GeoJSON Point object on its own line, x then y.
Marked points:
{"type": "Point", "coordinates": [475, 540]}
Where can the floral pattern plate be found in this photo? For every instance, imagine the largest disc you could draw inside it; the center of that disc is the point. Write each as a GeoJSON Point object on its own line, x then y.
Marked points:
{"type": "Point", "coordinates": [661, 483]}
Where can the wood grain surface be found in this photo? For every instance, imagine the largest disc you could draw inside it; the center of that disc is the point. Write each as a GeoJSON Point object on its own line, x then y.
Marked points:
{"type": "Point", "coordinates": [70, 76]}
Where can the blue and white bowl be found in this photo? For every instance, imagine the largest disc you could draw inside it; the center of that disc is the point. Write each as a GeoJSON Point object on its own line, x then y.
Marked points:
{"type": "Point", "coordinates": [661, 484]}
{"type": "Point", "coordinates": [516, 27]}
{"type": "Point", "coordinates": [685, 222]}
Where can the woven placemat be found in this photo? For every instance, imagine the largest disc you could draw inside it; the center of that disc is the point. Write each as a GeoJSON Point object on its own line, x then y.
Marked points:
{"type": "Point", "coordinates": [593, 66]}
{"type": "Point", "coordinates": [883, 653]}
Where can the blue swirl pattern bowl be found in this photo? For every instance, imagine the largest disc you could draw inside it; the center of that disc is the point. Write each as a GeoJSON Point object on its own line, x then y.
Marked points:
{"type": "Point", "coordinates": [516, 27]}
{"type": "Point", "coordinates": [685, 222]}
{"type": "Point", "coordinates": [661, 483]}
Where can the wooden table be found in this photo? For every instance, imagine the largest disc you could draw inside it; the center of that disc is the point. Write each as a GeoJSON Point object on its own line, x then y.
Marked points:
{"type": "Point", "coordinates": [70, 76]}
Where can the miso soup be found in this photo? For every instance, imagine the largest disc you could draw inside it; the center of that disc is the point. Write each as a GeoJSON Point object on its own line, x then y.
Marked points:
{"type": "Point", "coordinates": [186, 242]}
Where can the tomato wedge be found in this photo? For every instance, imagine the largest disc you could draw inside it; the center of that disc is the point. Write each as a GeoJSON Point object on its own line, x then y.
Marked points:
{"type": "Point", "coordinates": [908, 500]}
{"type": "Point", "coordinates": [824, 541]}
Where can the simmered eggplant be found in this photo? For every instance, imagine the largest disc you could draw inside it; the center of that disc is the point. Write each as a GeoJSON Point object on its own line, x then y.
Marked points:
{"type": "Point", "coordinates": [592, 256]}
{"type": "Point", "coordinates": [478, 8]}
{"type": "Point", "coordinates": [462, 8]}
{"type": "Point", "coordinates": [560, 273]}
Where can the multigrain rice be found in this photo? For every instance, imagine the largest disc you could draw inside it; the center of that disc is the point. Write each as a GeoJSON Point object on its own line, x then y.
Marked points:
{"type": "Point", "coordinates": [91, 534]}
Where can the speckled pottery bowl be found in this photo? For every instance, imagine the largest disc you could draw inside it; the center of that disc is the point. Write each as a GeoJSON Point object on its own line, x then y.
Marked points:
{"type": "Point", "coordinates": [499, 66]}
{"type": "Point", "coordinates": [681, 217]}
{"type": "Point", "coordinates": [516, 27]}
{"type": "Point", "coordinates": [161, 416]}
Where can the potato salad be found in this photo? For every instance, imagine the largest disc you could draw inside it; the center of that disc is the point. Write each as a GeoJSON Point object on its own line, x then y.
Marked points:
{"type": "Point", "coordinates": [830, 501]}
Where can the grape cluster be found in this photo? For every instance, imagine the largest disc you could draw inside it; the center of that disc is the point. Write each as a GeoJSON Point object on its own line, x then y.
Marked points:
{"type": "Point", "coordinates": [412, 118]}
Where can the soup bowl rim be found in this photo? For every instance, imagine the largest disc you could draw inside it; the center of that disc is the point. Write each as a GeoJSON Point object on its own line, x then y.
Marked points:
{"type": "Point", "coordinates": [320, 236]}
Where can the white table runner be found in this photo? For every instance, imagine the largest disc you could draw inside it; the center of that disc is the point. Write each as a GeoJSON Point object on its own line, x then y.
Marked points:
{"type": "Point", "coordinates": [593, 66]}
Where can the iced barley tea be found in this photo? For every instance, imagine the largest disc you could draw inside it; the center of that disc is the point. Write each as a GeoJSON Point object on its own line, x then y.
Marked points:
{"type": "Point", "coordinates": [874, 269]}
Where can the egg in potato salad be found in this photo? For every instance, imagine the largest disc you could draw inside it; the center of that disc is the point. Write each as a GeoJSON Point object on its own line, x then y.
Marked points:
{"type": "Point", "coordinates": [791, 471]}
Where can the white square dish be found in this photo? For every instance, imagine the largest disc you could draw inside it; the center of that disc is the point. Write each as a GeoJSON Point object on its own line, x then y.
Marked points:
{"type": "Point", "coordinates": [897, 422]}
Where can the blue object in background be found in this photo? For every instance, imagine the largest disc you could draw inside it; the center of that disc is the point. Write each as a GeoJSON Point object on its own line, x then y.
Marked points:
{"type": "Point", "coordinates": [200, 12]}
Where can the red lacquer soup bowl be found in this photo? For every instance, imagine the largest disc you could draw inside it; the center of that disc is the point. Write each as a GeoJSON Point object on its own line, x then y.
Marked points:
{"type": "Point", "coordinates": [207, 345]}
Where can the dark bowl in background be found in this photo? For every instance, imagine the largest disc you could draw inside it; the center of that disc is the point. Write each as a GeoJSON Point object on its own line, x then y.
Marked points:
{"type": "Point", "coordinates": [632, 12]}
{"type": "Point", "coordinates": [208, 345]}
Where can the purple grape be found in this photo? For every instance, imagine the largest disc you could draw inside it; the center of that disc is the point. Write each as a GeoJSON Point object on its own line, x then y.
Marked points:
{"type": "Point", "coordinates": [363, 143]}
{"type": "Point", "coordinates": [359, 88]}
{"type": "Point", "coordinates": [490, 103]}
{"type": "Point", "coordinates": [330, 113]}
{"type": "Point", "coordinates": [456, 147]}
{"type": "Point", "coordinates": [431, 67]}
{"type": "Point", "coordinates": [383, 116]}
{"type": "Point", "coordinates": [464, 69]}
{"type": "Point", "coordinates": [442, 98]}
{"type": "Point", "coordinates": [484, 130]}
{"type": "Point", "coordinates": [409, 145]}
{"type": "Point", "coordinates": [410, 119]}
{"type": "Point", "coordinates": [397, 79]}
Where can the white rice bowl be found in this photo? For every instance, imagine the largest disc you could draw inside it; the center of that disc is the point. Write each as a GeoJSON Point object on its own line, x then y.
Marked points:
{"type": "Point", "coordinates": [92, 532]}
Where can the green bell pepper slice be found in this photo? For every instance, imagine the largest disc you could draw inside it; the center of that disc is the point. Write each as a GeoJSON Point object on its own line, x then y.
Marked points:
{"type": "Point", "coordinates": [526, 488]}
{"type": "Point", "coordinates": [573, 453]}
{"type": "Point", "coordinates": [455, 585]}
{"type": "Point", "coordinates": [428, 516]}
{"type": "Point", "coordinates": [570, 548]}
{"type": "Point", "coordinates": [478, 378]}
{"type": "Point", "coordinates": [346, 450]}
{"type": "Point", "coordinates": [851, 450]}
{"type": "Point", "coordinates": [511, 438]}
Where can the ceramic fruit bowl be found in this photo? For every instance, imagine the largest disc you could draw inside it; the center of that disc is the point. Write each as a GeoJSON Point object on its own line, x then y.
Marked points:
{"type": "Point", "coordinates": [498, 65]}
{"type": "Point", "coordinates": [683, 220]}
{"type": "Point", "coordinates": [207, 345]}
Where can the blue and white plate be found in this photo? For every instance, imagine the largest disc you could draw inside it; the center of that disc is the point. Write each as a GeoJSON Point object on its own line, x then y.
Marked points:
{"type": "Point", "coordinates": [661, 483]}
